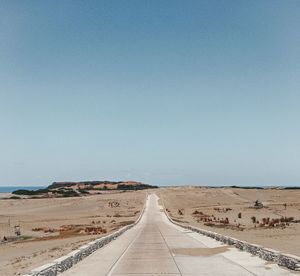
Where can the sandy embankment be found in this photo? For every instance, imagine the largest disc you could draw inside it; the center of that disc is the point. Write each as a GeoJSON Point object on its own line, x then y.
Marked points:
{"type": "Point", "coordinates": [205, 208]}
{"type": "Point", "coordinates": [5, 195]}
{"type": "Point", "coordinates": [53, 227]}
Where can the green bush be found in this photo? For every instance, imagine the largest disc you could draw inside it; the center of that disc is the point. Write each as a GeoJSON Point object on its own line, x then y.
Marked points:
{"type": "Point", "coordinates": [30, 192]}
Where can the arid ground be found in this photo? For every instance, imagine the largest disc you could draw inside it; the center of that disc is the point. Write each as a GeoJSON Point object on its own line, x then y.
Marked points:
{"type": "Point", "coordinates": [231, 212]}
{"type": "Point", "coordinates": [52, 227]}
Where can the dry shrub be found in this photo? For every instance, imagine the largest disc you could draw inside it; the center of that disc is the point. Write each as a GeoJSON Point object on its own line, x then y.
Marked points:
{"type": "Point", "coordinates": [197, 213]}
{"type": "Point", "coordinates": [117, 215]}
{"type": "Point", "coordinates": [181, 212]}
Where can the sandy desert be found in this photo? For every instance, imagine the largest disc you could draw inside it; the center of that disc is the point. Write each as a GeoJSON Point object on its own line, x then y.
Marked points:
{"type": "Point", "coordinates": [231, 212]}
{"type": "Point", "coordinates": [52, 227]}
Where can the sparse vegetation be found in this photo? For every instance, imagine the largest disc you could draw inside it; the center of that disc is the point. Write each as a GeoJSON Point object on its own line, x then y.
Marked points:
{"type": "Point", "coordinates": [196, 212]}
{"type": "Point", "coordinates": [222, 210]}
{"type": "Point", "coordinates": [275, 222]}
{"type": "Point", "coordinates": [135, 187]}
{"type": "Point", "coordinates": [30, 192]}
{"type": "Point", "coordinates": [75, 189]}
{"type": "Point", "coordinates": [181, 212]}
{"type": "Point", "coordinates": [113, 204]}
{"type": "Point", "coordinates": [208, 208]}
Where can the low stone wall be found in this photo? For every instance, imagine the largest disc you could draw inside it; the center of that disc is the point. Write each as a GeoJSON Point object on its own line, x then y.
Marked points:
{"type": "Point", "coordinates": [286, 260]}
{"type": "Point", "coordinates": [64, 263]}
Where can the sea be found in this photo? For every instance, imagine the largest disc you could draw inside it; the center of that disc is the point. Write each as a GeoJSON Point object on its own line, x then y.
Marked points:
{"type": "Point", "coordinates": [9, 189]}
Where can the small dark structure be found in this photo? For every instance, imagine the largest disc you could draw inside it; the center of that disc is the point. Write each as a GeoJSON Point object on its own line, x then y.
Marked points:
{"type": "Point", "coordinates": [258, 204]}
{"type": "Point", "coordinates": [17, 230]}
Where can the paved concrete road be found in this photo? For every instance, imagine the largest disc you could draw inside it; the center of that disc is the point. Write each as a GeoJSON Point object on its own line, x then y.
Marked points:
{"type": "Point", "coordinates": [157, 247]}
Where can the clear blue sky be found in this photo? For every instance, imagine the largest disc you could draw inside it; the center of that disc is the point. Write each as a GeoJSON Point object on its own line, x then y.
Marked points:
{"type": "Point", "coordinates": [165, 92]}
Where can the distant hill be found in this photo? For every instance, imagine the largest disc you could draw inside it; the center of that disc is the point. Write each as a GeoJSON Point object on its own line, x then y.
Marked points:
{"type": "Point", "coordinates": [83, 188]}
{"type": "Point", "coordinates": [102, 185]}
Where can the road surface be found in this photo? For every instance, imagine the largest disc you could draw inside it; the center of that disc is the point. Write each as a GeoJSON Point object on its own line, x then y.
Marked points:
{"type": "Point", "coordinates": [155, 246]}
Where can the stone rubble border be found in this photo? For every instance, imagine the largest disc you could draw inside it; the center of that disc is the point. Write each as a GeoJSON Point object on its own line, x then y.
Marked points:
{"type": "Point", "coordinates": [286, 260]}
{"type": "Point", "coordinates": [66, 262]}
